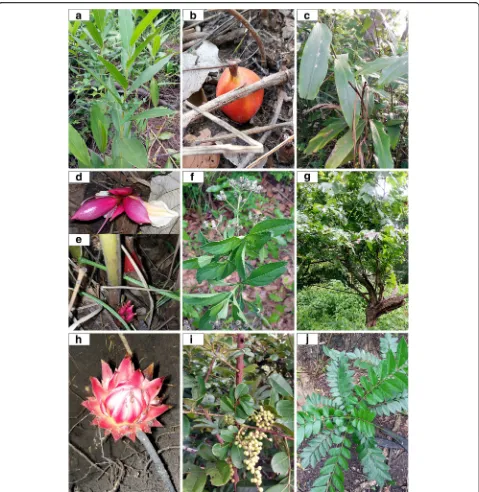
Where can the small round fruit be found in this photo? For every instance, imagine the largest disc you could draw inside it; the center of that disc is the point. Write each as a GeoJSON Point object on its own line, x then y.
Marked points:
{"type": "Point", "coordinates": [241, 110]}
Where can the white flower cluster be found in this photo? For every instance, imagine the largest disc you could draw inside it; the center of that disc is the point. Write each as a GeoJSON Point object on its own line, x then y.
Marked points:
{"type": "Point", "coordinates": [244, 184]}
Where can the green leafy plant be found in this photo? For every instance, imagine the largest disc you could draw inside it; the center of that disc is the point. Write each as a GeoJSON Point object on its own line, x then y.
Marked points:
{"type": "Point", "coordinates": [366, 122]}
{"type": "Point", "coordinates": [334, 426]}
{"type": "Point", "coordinates": [243, 253]}
{"type": "Point", "coordinates": [353, 228]}
{"type": "Point", "coordinates": [114, 62]}
{"type": "Point", "coordinates": [238, 416]}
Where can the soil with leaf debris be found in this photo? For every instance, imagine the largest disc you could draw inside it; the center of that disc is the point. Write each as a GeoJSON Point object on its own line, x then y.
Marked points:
{"type": "Point", "coordinates": [233, 41]}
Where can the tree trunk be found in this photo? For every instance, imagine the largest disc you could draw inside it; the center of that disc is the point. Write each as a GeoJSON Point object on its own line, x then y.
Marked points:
{"type": "Point", "coordinates": [375, 310]}
{"type": "Point", "coordinates": [240, 359]}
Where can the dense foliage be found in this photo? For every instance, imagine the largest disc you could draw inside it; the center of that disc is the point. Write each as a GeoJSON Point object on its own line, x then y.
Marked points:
{"type": "Point", "coordinates": [246, 255]}
{"type": "Point", "coordinates": [117, 65]}
{"type": "Point", "coordinates": [352, 227]}
{"type": "Point", "coordinates": [335, 425]}
{"type": "Point", "coordinates": [353, 90]}
{"type": "Point", "coordinates": [239, 414]}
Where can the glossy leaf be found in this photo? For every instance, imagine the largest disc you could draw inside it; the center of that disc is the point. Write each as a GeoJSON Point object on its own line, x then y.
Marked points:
{"type": "Point", "coordinates": [266, 274]}
{"type": "Point", "coordinates": [396, 70]}
{"type": "Point", "coordinates": [280, 385]}
{"type": "Point", "coordinates": [274, 226]}
{"type": "Point", "coordinates": [205, 299]}
{"type": "Point", "coordinates": [382, 145]}
{"type": "Point", "coordinates": [222, 247]}
{"type": "Point", "coordinates": [314, 61]}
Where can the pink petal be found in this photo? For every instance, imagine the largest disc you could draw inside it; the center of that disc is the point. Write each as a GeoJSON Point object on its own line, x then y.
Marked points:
{"type": "Point", "coordinates": [106, 372]}
{"type": "Point", "coordinates": [136, 210]}
{"type": "Point", "coordinates": [95, 208]}
{"type": "Point", "coordinates": [154, 412]}
{"type": "Point", "coordinates": [125, 370]}
{"type": "Point", "coordinates": [118, 211]}
{"type": "Point", "coordinates": [127, 190]}
{"type": "Point", "coordinates": [97, 388]}
{"type": "Point", "coordinates": [153, 387]}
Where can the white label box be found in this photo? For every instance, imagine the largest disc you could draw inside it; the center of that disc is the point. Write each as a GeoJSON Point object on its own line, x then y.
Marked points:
{"type": "Point", "coordinates": [78, 15]}
{"type": "Point", "coordinates": [193, 176]}
{"type": "Point", "coordinates": [79, 176]}
{"type": "Point", "coordinates": [307, 339]}
{"type": "Point", "coordinates": [78, 339]}
{"type": "Point", "coordinates": [307, 15]}
{"type": "Point", "coordinates": [193, 338]}
{"type": "Point", "coordinates": [307, 176]}
{"type": "Point", "coordinates": [193, 15]}
{"type": "Point", "coordinates": [78, 239]}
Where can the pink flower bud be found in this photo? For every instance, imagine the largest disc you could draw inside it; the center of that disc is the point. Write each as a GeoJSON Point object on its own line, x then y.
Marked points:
{"type": "Point", "coordinates": [95, 207]}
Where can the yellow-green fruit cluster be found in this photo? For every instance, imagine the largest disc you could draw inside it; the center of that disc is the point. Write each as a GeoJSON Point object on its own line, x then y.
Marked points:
{"type": "Point", "coordinates": [232, 472]}
{"type": "Point", "coordinates": [264, 418]}
{"type": "Point", "coordinates": [229, 419]}
{"type": "Point", "coordinates": [252, 446]}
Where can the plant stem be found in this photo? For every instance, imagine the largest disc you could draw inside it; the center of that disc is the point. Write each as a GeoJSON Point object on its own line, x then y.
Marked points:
{"type": "Point", "coordinates": [110, 245]}
{"type": "Point", "coordinates": [157, 463]}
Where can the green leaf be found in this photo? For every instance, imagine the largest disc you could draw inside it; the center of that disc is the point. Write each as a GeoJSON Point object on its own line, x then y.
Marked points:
{"type": "Point", "coordinates": [138, 50]}
{"type": "Point", "coordinates": [402, 353]}
{"type": "Point", "coordinates": [285, 408]}
{"type": "Point", "coordinates": [220, 451]}
{"type": "Point", "coordinates": [394, 133]}
{"type": "Point", "coordinates": [394, 71]}
{"type": "Point", "coordinates": [237, 456]}
{"type": "Point", "coordinates": [326, 135]}
{"type": "Point", "coordinates": [195, 263]}
{"type": "Point", "coordinates": [219, 473]}
{"type": "Point", "coordinates": [274, 226]}
{"type": "Point", "coordinates": [343, 147]}
{"type": "Point", "coordinates": [228, 435]}
{"type": "Point", "coordinates": [205, 299]}
{"type": "Point", "coordinates": [94, 33]}
{"type": "Point", "coordinates": [382, 145]}
{"type": "Point", "coordinates": [145, 22]}
{"type": "Point", "coordinates": [131, 150]}
{"type": "Point", "coordinates": [125, 22]}
{"type": "Point", "coordinates": [222, 247]}
{"type": "Point", "coordinates": [195, 481]}
{"type": "Point", "coordinates": [376, 65]}
{"type": "Point", "coordinates": [241, 389]}
{"type": "Point", "coordinates": [374, 464]}
{"type": "Point", "coordinates": [115, 73]}
{"type": "Point", "coordinates": [266, 274]}
{"type": "Point", "coordinates": [280, 463]}
{"type": "Point", "coordinates": [215, 271]}
{"type": "Point", "coordinates": [348, 99]}
{"type": "Point", "coordinates": [149, 73]}
{"type": "Point", "coordinates": [280, 384]}
{"type": "Point", "coordinates": [314, 61]}
{"type": "Point", "coordinates": [240, 261]}
{"type": "Point", "coordinates": [186, 426]}
{"type": "Point", "coordinates": [77, 147]}
{"type": "Point", "coordinates": [153, 113]}
{"type": "Point", "coordinates": [99, 124]}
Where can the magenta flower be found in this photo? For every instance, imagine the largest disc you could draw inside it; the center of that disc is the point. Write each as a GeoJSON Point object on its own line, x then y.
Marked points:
{"type": "Point", "coordinates": [114, 202]}
{"type": "Point", "coordinates": [126, 311]}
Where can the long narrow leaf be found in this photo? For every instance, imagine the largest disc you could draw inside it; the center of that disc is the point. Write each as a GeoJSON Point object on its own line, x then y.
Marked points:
{"type": "Point", "coordinates": [94, 33]}
{"type": "Point", "coordinates": [382, 145]}
{"type": "Point", "coordinates": [115, 73]}
{"type": "Point", "coordinates": [314, 61]}
{"type": "Point", "coordinates": [393, 72]}
{"type": "Point", "coordinates": [138, 50]}
{"type": "Point", "coordinates": [344, 146]}
{"type": "Point", "coordinates": [77, 147]}
{"type": "Point", "coordinates": [125, 22]}
{"type": "Point", "coordinates": [325, 136]}
{"type": "Point", "coordinates": [146, 21]}
{"type": "Point", "coordinates": [153, 113]}
{"type": "Point", "coordinates": [147, 75]}
{"type": "Point", "coordinates": [348, 99]}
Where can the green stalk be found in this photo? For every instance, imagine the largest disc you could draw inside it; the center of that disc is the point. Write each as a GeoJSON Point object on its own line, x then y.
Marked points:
{"type": "Point", "coordinates": [110, 245]}
{"type": "Point", "coordinates": [108, 308]}
{"type": "Point", "coordinates": [166, 293]}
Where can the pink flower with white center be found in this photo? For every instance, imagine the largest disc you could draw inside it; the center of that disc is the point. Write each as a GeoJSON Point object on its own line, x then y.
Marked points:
{"type": "Point", "coordinates": [126, 400]}
{"type": "Point", "coordinates": [114, 202]}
